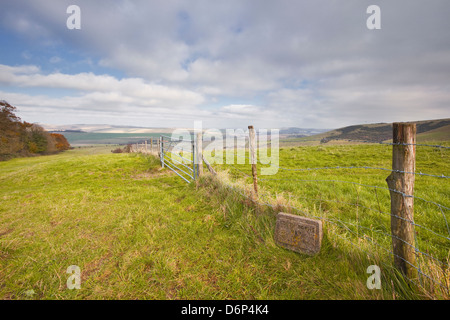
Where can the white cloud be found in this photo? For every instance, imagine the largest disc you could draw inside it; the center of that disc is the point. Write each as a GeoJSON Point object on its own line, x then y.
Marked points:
{"type": "Point", "coordinates": [97, 107]}
{"type": "Point", "coordinates": [241, 109]}
{"type": "Point", "coordinates": [141, 92]}
{"type": "Point", "coordinates": [302, 63]}
{"type": "Point", "coordinates": [96, 96]}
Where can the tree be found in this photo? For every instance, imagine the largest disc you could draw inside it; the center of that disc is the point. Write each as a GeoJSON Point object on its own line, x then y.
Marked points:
{"type": "Point", "coordinates": [61, 142]}
{"type": "Point", "coordinates": [7, 116]}
{"type": "Point", "coordinates": [19, 138]}
{"type": "Point", "coordinates": [10, 142]}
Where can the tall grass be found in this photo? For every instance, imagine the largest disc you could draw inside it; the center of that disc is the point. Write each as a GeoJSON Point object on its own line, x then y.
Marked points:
{"type": "Point", "coordinates": [138, 231]}
{"type": "Point", "coordinates": [355, 203]}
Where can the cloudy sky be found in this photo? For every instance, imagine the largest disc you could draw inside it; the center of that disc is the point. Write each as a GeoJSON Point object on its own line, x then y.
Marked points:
{"type": "Point", "coordinates": [303, 63]}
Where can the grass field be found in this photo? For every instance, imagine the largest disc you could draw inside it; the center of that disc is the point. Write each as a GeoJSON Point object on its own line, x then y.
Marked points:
{"type": "Point", "coordinates": [344, 185]}
{"type": "Point", "coordinates": [140, 232]}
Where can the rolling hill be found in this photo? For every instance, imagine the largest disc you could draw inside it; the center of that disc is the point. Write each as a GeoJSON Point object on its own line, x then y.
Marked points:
{"type": "Point", "coordinates": [428, 130]}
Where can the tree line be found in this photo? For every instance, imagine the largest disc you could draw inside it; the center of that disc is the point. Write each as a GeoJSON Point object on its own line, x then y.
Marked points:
{"type": "Point", "coordinates": [21, 139]}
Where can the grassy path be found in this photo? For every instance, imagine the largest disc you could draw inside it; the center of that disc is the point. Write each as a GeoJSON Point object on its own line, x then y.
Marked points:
{"type": "Point", "coordinates": [139, 232]}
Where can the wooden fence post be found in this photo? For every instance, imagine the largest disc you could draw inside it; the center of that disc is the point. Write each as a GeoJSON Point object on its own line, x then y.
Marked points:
{"type": "Point", "coordinates": [161, 144]}
{"type": "Point", "coordinates": [199, 152]}
{"type": "Point", "coordinates": [252, 146]}
{"type": "Point", "coordinates": [401, 185]}
{"type": "Point", "coordinates": [146, 151]}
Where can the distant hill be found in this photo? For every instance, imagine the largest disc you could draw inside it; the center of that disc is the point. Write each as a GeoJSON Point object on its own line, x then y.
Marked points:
{"type": "Point", "coordinates": [103, 128]}
{"type": "Point", "coordinates": [300, 131]}
{"type": "Point", "coordinates": [428, 130]}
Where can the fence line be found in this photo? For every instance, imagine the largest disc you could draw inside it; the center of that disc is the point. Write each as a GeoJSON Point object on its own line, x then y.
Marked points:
{"type": "Point", "coordinates": [163, 147]}
{"type": "Point", "coordinates": [342, 224]}
{"type": "Point", "coordinates": [396, 143]}
{"type": "Point", "coordinates": [408, 259]}
{"type": "Point", "coordinates": [363, 167]}
{"type": "Point", "coordinates": [403, 251]}
{"type": "Point", "coordinates": [386, 143]}
{"type": "Point", "coordinates": [167, 158]}
{"type": "Point", "coordinates": [414, 144]}
{"type": "Point", "coordinates": [360, 184]}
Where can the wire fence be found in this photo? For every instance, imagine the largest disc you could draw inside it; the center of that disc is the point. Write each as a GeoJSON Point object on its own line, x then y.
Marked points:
{"type": "Point", "coordinates": [362, 213]}
{"type": "Point", "coordinates": [353, 199]}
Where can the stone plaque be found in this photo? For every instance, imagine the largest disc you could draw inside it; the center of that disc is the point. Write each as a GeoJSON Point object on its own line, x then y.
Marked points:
{"type": "Point", "coordinates": [297, 233]}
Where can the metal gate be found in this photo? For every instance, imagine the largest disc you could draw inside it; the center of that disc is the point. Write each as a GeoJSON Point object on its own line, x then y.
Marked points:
{"type": "Point", "coordinates": [179, 156]}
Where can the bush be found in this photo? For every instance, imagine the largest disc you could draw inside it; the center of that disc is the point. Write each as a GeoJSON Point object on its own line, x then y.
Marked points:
{"type": "Point", "coordinates": [61, 142]}
{"type": "Point", "coordinates": [117, 150]}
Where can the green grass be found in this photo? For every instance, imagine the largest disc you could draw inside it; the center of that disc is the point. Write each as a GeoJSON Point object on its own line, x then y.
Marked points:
{"type": "Point", "coordinates": [140, 232]}
{"type": "Point", "coordinates": [355, 203]}
{"type": "Point", "coordinates": [440, 134]}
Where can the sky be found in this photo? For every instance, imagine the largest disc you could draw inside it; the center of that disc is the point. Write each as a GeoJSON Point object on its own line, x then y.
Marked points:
{"type": "Point", "coordinates": [229, 64]}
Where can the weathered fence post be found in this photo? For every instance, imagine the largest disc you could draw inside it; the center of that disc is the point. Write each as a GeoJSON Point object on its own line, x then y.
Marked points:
{"type": "Point", "coordinates": [401, 188]}
{"type": "Point", "coordinates": [198, 152]}
{"type": "Point", "coordinates": [145, 143]}
{"type": "Point", "coordinates": [252, 146]}
{"type": "Point", "coordinates": [161, 143]}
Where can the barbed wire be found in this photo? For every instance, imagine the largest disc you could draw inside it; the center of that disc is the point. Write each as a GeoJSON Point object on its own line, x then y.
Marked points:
{"type": "Point", "coordinates": [356, 183]}
{"type": "Point", "coordinates": [420, 173]}
{"type": "Point", "coordinates": [414, 144]}
{"type": "Point", "coordinates": [343, 225]}
{"type": "Point", "coordinates": [269, 142]}
{"type": "Point", "coordinates": [371, 186]}
{"type": "Point", "coordinates": [351, 182]}
{"type": "Point", "coordinates": [393, 215]}
{"type": "Point", "coordinates": [361, 167]}
{"type": "Point", "coordinates": [379, 211]}
{"type": "Point", "coordinates": [395, 144]}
